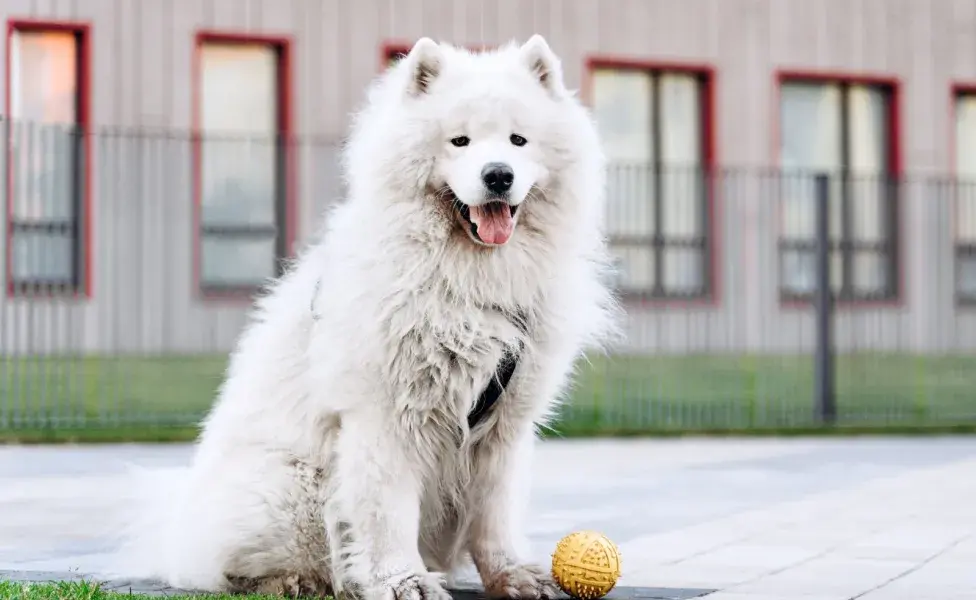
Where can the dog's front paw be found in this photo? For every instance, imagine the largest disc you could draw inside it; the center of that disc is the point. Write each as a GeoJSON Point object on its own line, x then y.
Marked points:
{"type": "Point", "coordinates": [521, 582]}
{"type": "Point", "coordinates": [417, 586]}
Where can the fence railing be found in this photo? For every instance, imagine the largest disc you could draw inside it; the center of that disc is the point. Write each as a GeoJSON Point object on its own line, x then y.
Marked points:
{"type": "Point", "coordinates": [129, 260]}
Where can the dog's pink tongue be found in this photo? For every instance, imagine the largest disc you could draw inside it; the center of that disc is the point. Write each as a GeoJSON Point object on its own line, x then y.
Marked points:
{"type": "Point", "coordinates": [494, 221]}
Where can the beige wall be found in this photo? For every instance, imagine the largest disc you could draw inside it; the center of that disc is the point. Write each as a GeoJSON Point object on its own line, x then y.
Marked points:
{"type": "Point", "coordinates": [142, 57]}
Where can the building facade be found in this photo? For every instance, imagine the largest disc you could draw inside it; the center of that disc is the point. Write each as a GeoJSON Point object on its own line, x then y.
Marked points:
{"type": "Point", "coordinates": [163, 156]}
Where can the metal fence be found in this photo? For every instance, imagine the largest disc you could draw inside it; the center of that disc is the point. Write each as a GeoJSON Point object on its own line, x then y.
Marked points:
{"type": "Point", "coordinates": [130, 258]}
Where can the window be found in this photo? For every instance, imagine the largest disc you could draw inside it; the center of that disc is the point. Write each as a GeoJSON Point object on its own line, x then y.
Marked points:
{"type": "Point", "coordinates": [46, 164]}
{"type": "Point", "coordinates": [393, 54]}
{"type": "Point", "coordinates": [965, 154]}
{"type": "Point", "coordinates": [843, 130]}
{"type": "Point", "coordinates": [242, 158]}
{"type": "Point", "coordinates": [654, 126]}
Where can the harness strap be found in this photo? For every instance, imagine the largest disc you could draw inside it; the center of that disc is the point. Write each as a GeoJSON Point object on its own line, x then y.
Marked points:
{"type": "Point", "coordinates": [497, 384]}
{"type": "Point", "coordinates": [503, 375]}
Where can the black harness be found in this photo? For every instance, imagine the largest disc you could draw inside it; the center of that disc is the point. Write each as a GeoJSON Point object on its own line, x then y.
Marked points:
{"type": "Point", "coordinates": [503, 375]}
{"type": "Point", "coordinates": [497, 384]}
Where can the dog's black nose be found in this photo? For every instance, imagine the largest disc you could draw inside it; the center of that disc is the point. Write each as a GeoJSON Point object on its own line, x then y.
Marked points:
{"type": "Point", "coordinates": [498, 177]}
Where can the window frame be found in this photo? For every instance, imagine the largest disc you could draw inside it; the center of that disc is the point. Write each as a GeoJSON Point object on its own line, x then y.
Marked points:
{"type": "Point", "coordinates": [393, 49]}
{"type": "Point", "coordinates": [705, 73]}
{"type": "Point", "coordinates": [80, 284]}
{"type": "Point", "coordinates": [848, 246]}
{"type": "Point", "coordinates": [959, 248]}
{"type": "Point", "coordinates": [285, 209]}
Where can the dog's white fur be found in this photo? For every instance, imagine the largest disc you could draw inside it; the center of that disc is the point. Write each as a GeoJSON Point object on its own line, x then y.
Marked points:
{"type": "Point", "coordinates": [338, 454]}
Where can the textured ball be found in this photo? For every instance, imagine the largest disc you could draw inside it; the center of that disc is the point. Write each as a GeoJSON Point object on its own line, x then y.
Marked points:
{"type": "Point", "coordinates": [586, 565]}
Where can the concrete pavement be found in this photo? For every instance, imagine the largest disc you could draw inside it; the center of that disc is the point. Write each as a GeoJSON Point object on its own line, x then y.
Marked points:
{"type": "Point", "coordinates": [755, 519]}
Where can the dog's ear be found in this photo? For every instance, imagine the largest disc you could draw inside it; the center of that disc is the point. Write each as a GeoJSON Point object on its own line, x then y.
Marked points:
{"type": "Point", "coordinates": [425, 60]}
{"type": "Point", "coordinates": [543, 63]}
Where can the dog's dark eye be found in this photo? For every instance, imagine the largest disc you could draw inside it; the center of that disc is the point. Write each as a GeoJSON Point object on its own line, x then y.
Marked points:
{"type": "Point", "coordinates": [461, 141]}
{"type": "Point", "coordinates": [518, 140]}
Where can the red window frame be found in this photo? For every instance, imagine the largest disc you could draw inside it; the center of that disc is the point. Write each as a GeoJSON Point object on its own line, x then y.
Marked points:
{"type": "Point", "coordinates": [709, 159]}
{"type": "Point", "coordinates": [398, 49]}
{"type": "Point", "coordinates": [895, 171]}
{"type": "Point", "coordinates": [82, 287]}
{"type": "Point", "coordinates": [286, 133]}
{"type": "Point", "coordinates": [959, 248]}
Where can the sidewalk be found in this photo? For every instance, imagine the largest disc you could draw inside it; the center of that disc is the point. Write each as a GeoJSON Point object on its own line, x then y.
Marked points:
{"type": "Point", "coordinates": [756, 519]}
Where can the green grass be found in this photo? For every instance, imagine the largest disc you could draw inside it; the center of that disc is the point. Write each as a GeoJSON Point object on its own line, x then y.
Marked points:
{"type": "Point", "coordinates": [162, 398]}
{"type": "Point", "coordinates": [112, 390]}
{"type": "Point", "coordinates": [86, 590]}
{"type": "Point", "coordinates": [754, 392]}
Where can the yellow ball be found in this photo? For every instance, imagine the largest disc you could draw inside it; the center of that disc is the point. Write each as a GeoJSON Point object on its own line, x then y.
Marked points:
{"type": "Point", "coordinates": [586, 565]}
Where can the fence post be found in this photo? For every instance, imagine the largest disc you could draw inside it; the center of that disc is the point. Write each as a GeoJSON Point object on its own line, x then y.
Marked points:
{"type": "Point", "coordinates": [825, 402]}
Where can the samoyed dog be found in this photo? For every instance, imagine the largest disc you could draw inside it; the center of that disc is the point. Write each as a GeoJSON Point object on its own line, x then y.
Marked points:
{"type": "Point", "coordinates": [352, 449]}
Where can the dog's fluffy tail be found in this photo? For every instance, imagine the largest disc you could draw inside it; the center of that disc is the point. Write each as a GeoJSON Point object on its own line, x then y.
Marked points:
{"type": "Point", "coordinates": [147, 530]}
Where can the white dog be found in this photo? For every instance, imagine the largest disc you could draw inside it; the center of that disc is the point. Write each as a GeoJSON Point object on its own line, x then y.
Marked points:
{"type": "Point", "coordinates": [348, 450]}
